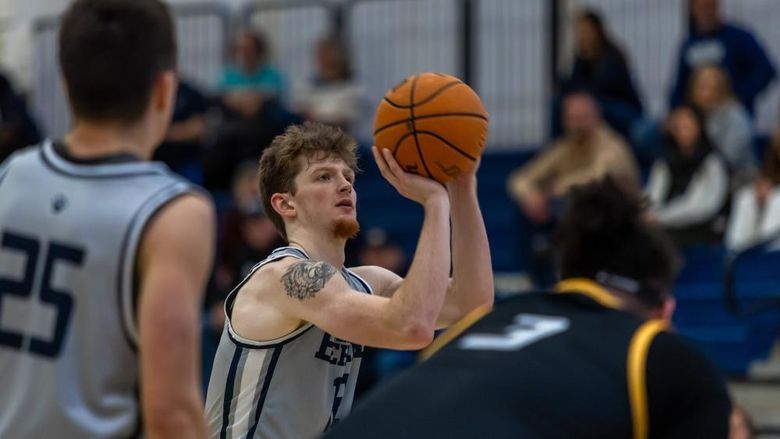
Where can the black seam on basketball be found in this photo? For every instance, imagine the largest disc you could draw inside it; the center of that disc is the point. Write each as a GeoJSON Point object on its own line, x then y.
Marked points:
{"type": "Point", "coordinates": [430, 116]}
{"type": "Point", "coordinates": [441, 90]}
{"type": "Point", "coordinates": [398, 143]}
{"type": "Point", "coordinates": [393, 104]}
{"type": "Point", "coordinates": [463, 153]}
{"type": "Point", "coordinates": [414, 127]}
{"type": "Point", "coordinates": [426, 100]}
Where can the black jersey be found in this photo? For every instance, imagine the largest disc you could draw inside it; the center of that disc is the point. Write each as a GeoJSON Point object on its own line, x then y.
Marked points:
{"type": "Point", "coordinates": [541, 365]}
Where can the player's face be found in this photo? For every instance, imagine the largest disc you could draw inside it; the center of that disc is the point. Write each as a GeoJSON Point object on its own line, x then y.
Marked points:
{"type": "Point", "coordinates": [325, 196]}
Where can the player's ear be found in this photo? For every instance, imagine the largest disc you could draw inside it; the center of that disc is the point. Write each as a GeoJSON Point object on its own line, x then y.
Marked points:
{"type": "Point", "coordinates": [164, 94]}
{"type": "Point", "coordinates": [283, 205]}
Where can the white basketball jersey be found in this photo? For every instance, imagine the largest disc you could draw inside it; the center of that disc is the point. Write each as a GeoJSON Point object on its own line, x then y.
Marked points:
{"type": "Point", "coordinates": [294, 387]}
{"type": "Point", "coordinates": [69, 233]}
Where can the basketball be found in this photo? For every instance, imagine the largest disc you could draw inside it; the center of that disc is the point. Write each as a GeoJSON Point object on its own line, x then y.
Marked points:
{"type": "Point", "coordinates": [434, 124]}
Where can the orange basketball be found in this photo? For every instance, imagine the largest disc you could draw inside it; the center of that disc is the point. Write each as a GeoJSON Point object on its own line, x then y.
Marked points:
{"type": "Point", "coordinates": [435, 125]}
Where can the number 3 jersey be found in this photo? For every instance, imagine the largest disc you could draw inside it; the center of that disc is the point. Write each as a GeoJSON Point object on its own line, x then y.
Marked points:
{"type": "Point", "coordinates": [69, 235]}
{"type": "Point", "coordinates": [294, 387]}
{"type": "Point", "coordinates": [550, 366]}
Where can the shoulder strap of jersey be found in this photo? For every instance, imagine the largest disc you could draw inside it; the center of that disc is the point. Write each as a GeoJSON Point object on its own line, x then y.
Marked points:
{"type": "Point", "coordinates": [454, 331]}
{"type": "Point", "coordinates": [637, 374]}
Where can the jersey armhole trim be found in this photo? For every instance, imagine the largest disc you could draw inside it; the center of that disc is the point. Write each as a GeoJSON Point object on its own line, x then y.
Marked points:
{"type": "Point", "coordinates": [277, 254]}
{"type": "Point", "coordinates": [454, 331]}
{"type": "Point", "coordinates": [126, 285]}
{"type": "Point", "coordinates": [369, 290]}
{"type": "Point", "coordinates": [637, 375]}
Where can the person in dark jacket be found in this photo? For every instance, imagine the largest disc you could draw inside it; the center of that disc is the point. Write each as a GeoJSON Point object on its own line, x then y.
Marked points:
{"type": "Point", "coordinates": [601, 69]}
{"type": "Point", "coordinates": [713, 41]}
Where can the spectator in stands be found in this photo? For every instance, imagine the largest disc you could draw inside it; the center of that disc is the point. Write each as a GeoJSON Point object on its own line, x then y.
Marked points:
{"type": "Point", "coordinates": [727, 123]}
{"type": "Point", "coordinates": [588, 151]}
{"type": "Point", "coordinates": [17, 127]}
{"type": "Point", "coordinates": [252, 110]}
{"type": "Point", "coordinates": [601, 68]}
{"type": "Point", "coordinates": [333, 97]}
{"type": "Point", "coordinates": [184, 142]}
{"type": "Point", "coordinates": [755, 213]}
{"type": "Point", "coordinates": [689, 185]}
{"type": "Point", "coordinates": [711, 40]}
{"type": "Point", "coordinates": [250, 79]}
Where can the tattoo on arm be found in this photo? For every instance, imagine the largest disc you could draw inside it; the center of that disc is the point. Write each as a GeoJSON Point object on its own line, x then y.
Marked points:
{"type": "Point", "coordinates": [304, 279]}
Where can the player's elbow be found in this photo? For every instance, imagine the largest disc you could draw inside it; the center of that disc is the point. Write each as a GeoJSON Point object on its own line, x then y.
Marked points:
{"type": "Point", "coordinates": [488, 300]}
{"type": "Point", "coordinates": [417, 335]}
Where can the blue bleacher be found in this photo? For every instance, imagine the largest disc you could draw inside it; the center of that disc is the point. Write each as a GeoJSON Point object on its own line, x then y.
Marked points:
{"type": "Point", "coordinates": [732, 339]}
{"type": "Point", "coordinates": [379, 205]}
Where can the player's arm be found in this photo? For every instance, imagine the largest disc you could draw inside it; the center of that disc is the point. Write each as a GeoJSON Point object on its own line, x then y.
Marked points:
{"type": "Point", "coordinates": [471, 285]}
{"type": "Point", "coordinates": [315, 292]}
{"type": "Point", "coordinates": [174, 262]}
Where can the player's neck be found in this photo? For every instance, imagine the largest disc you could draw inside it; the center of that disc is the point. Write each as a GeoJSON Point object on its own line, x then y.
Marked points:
{"type": "Point", "coordinates": [91, 139]}
{"type": "Point", "coordinates": [320, 248]}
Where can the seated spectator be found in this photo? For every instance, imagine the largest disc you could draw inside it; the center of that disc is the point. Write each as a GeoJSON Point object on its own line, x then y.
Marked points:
{"type": "Point", "coordinates": [755, 212]}
{"type": "Point", "coordinates": [333, 97]}
{"type": "Point", "coordinates": [689, 185]}
{"type": "Point", "coordinates": [184, 143]}
{"type": "Point", "coordinates": [601, 68]}
{"type": "Point", "coordinates": [252, 111]}
{"type": "Point", "coordinates": [17, 127]}
{"type": "Point", "coordinates": [250, 79]}
{"type": "Point", "coordinates": [588, 151]}
{"type": "Point", "coordinates": [727, 123]}
{"type": "Point", "coordinates": [712, 41]}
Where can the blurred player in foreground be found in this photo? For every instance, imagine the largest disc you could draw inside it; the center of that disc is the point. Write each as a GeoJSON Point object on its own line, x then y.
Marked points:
{"type": "Point", "coordinates": [103, 256]}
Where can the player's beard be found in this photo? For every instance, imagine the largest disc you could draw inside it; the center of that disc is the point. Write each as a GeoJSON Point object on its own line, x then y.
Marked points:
{"type": "Point", "coordinates": [347, 228]}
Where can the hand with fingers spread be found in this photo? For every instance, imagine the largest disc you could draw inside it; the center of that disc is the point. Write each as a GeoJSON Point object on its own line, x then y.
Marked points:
{"type": "Point", "coordinates": [411, 186]}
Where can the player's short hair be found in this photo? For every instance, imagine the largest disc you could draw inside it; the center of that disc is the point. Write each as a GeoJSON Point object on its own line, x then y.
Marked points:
{"type": "Point", "coordinates": [605, 234]}
{"type": "Point", "coordinates": [279, 164]}
{"type": "Point", "coordinates": [111, 53]}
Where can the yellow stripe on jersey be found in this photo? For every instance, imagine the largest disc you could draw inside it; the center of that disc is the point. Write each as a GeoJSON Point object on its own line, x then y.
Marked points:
{"type": "Point", "coordinates": [590, 288]}
{"type": "Point", "coordinates": [637, 374]}
{"type": "Point", "coordinates": [453, 331]}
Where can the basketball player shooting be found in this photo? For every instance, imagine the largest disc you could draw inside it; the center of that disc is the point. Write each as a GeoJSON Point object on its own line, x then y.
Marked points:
{"type": "Point", "coordinates": [104, 257]}
{"type": "Point", "coordinates": [288, 359]}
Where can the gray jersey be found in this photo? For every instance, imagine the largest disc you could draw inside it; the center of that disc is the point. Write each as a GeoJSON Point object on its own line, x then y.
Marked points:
{"type": "Point", "coordinates": [293, 387]}
{"type": "Point", "coordinates": [69, 232]}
